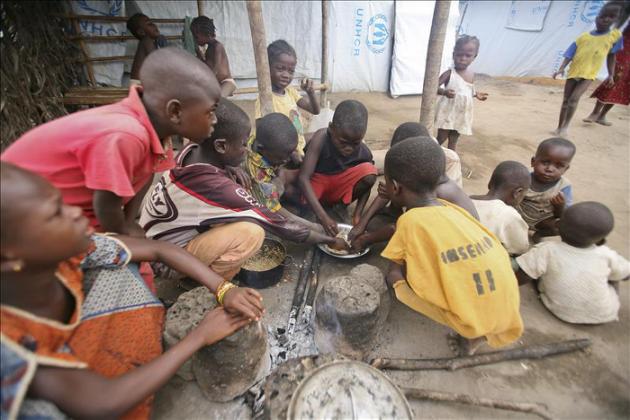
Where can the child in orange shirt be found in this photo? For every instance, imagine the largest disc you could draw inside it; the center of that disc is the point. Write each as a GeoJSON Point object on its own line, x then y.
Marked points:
{"type": "Point", "coordinates": [80, 329]}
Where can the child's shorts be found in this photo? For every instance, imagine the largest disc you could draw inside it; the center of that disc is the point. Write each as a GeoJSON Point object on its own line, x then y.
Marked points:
{"type": "Point", "coordinates": [332, 189]}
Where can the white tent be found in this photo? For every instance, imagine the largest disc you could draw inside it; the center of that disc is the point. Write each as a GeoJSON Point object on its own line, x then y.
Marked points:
{"type": "Point", "coordinates": [525, 38]}
{"type": "Point", "coordinates": [361, 37]}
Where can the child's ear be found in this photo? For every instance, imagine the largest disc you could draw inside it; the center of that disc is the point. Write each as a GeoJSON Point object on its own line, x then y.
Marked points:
{"type": "Point", "coordinates": [220, 145]}
{"type": "Point", "coordinates": [532, 161]}
{"type": "Point", "coordinates": [516, 193]}
{"type": "Point", "coordinates": [396, 187]}
{"type": "Point", "coordinates": [174, 111]}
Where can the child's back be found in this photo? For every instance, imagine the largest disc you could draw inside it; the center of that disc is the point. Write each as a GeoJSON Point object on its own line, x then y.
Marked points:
{"type": "Point", "coordinates": [575, 274]}
{"type": "Point", "coordinates": [508, 185]}
{"type": "Point", "coordinates": [457, 272]}
{"type": "Point", "coordinates": [460, 271]}
{"type": "Point", "coordinates": [574, 282]}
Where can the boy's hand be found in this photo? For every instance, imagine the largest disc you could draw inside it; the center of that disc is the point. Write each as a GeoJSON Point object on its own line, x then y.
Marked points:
{"type": "Point", "coordinates": [358, 244]}
{"type": "Point", "coordinates": [558, 201]}
{"type": "Point", "coordinates": [482, 96]}
{"type": "Point", "coordinates": [330, 226]}
{"type": "Point", "coordinates": [244, 301]}
{"type": "Point", "coordinates": [449, 93]}
{"type": "Point", "coordinates": [218, 324]}
{"type": "Point", "coordinates": [558, 73]}
{"type": "Point", "coordinates": [307, 86]}
{"type": "Point", "coordinates": [382, 190]}
{"type": "Point", "coordinates": [296, 158]}
{"type": "Point", "coordinates": [339, 244]}
{"type": "Point", "coordinates": [356, 231]}
{"type": "Point", "coordinates": [238, 175]}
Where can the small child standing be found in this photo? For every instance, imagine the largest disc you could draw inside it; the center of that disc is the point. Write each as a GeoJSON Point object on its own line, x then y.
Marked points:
{"type": "Point", "coordinates": [286, 99]}
{"type": "Point", "coordinates": [550, 192]}
{"type": "Point", "coordinates": [444, 263]}
{"type": "Point", "coordinates": [148, 35]}
{"type": "Point", "coordinates": [454, 108]}
{"type": "Point", "coordinates": [586, 56]}
{"type": "Point", "coordinates": [508, 185]}
{"type": "Point", "coordinates": [578, 276]}
{"type": "Point", "coordinates": [338, 167]}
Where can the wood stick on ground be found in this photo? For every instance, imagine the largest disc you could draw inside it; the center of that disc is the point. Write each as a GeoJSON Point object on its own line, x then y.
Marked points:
{"type": "Point", "coordinates": [300, 288]}
{"type": "Point", "coordinates": [536, 351]}
{"type": "Point", "coordinates": [523, 407]}
{"type": "Point", "coordinates": [312, 288]}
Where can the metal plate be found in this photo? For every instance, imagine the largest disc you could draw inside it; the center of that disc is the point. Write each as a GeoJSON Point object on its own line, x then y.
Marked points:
{"type": "Point", "coordinates": [347, 257]}
{"type": "Point", "coordinates": [348, 390]}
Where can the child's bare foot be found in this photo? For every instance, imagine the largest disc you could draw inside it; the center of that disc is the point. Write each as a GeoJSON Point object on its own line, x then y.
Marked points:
{"type": "Point", "coordinates": [463, 346]}
{"type": "Point", "coordinates": [603, 121]}
{"type": "Point", "coordinates": [591, 118]}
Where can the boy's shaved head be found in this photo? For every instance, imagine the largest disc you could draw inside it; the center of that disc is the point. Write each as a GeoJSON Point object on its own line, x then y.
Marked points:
{"type": "Point", "coordinates": [172, 73]}
{"type": "Point", "coordinates": [417, 163]}
{"type": "Point", "coordinates": [552, 142]}
{"type": "Point", "coordinates": [407, 130]}
{"type": "Point", "coordinates": [276, 132]}
{"type": "Point", "coordinates": [508, 175]}
{"type": "Point", "coordinates": [350, 116]}
{"type": "Point", "coordinates": [586, 223]}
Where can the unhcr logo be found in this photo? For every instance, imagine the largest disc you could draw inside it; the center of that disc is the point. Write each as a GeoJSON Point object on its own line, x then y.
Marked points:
{"type": "Point", "coordinates": [377, 33]}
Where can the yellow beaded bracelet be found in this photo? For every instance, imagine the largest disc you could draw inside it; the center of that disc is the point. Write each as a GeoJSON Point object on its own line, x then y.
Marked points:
{"type": "Point", "coordinates": [222, 290]}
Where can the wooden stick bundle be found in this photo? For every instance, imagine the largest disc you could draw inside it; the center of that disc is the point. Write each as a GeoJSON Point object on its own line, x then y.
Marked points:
{"type": "Point", "coordinates": [300, 288]}
{"type": "Point", "coordinates": [523, 407]}
{"type": "Point", "coordinates": [536, 351]}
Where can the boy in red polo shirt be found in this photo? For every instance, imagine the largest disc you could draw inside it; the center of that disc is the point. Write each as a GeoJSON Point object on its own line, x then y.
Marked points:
{"type": "Point", "coordinates": [102, 158]}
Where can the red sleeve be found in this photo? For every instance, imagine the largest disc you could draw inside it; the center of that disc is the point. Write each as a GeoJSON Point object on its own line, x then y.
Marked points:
{"type": "Point", "coordinates": [110, 163]}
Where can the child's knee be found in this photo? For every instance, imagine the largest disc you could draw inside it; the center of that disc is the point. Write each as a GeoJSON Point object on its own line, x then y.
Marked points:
{"type": "Point", "coordinates": [364, 185]}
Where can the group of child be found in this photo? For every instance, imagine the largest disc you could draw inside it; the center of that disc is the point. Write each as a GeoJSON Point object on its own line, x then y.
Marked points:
{"type": "Point", "coordinates": [93, 328]}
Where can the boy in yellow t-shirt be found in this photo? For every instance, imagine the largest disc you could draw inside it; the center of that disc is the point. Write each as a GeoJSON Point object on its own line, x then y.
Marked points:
{"type": "Point", "coordinates": [586, 56]}
{"type": "Point", "coordinates": [445, 264]}
{"type": "Point", "coordinates": [285, 98]}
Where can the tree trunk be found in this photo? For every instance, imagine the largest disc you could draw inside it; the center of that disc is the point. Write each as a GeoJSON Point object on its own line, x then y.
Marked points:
{"type": "Point", "coordinates": [434, 60]}
{"type": "Point", "coordinates": [259, 41]}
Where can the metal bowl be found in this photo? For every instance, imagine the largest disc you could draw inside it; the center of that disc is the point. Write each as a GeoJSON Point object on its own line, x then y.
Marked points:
{"type": "Point", "coordinates": [325, 249]}
{"type": "Point", "coordinates": [348, 389]}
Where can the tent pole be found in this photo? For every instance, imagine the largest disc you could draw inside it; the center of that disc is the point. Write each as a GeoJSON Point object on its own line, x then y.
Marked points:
{"type": "Point", "coordinates": [84, 51]}
{"type": "Point", "coordinates": [199, 7]}
{"type": "Point", "coordinates": [257, 28]}
{"type": "Point", "coordinates": [323, 96]}
{"type": "Point", "coordinates": [434, 61]}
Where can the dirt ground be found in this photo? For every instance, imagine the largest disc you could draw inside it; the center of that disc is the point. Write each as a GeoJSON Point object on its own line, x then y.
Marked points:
{"type": "Point", "coordinates": [508, 126]}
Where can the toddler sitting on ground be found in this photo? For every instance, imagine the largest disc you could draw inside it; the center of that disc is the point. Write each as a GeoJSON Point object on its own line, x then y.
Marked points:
{"type": "Point", "coordinates": [506, 189]}
{"type": "Point", "coordinates": [444, 263]}
{"type": "Point", "coordinates": [550, 192]}
{"type": "Point", "coordinates": [575, 275]}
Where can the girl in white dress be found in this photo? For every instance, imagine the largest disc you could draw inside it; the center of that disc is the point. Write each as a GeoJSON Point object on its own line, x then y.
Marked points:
{"type": "Point", "coordinates": [454, 110]}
